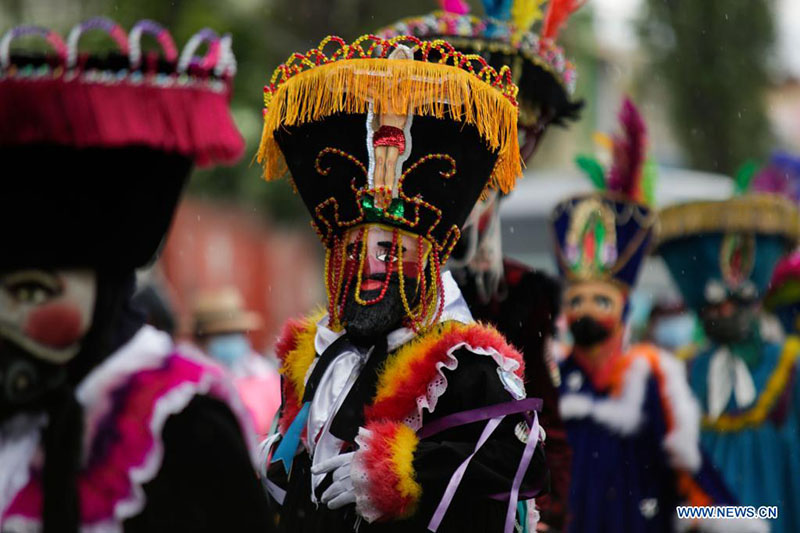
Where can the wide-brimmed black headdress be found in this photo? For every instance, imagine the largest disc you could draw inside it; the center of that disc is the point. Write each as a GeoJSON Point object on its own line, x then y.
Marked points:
{"type": "Point", "coordinates": [101, 145]}
{"type": "Point", "coordinates": [329, 118]}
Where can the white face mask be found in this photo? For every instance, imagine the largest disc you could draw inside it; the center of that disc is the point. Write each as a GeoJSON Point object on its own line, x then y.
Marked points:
{"type": "Point", "coordinates": [47, 313]}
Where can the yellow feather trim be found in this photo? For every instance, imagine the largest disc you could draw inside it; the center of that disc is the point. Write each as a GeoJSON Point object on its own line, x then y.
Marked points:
{"type": "Point", "coordinates": [297, 361]}
{"type": "Point", "coordinates": [766, 401]}
{"type": "Point", "coordinates": [398, 365]}
{"type": "Point", "coordinates": [402, 450]}
{"type": "Point", "coordinates": [524, 13]}
{"type": "Point", "coordinates": [396, 86]}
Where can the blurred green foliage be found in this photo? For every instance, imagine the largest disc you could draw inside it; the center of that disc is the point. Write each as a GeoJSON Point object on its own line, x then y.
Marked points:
{"type": "Point", "coordinates": [712, 57]}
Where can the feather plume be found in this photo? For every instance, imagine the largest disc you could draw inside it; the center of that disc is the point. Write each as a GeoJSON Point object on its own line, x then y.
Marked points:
{"type": "Point", "coordinates": [781, 176]}
{"type": "Point", "coordinates": [558, 11]}
{"type": "Point", "coordinates": [649, 178]}
{"type": "Point", "coordinates": [523, 14]}
{"type": "Point", "coordinates": [498, 9]}
{"type": "Point", "coordinates": [744, 176]}
{"type": "Point", "coordinates": [593, 170]}
{"type": "Point", "coordinates": [629, 151]}
{"type": "Point", "coordinates": [458, 7]}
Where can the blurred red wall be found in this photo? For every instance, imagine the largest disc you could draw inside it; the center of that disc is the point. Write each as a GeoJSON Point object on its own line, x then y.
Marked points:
{"type": "Point", "coordinates": [277, 270]}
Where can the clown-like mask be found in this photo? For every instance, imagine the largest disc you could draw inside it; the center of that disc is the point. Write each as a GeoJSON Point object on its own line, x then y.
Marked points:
{"type": "Point", "coordinates": [44, 317]}
{"type": "Point", "coordinates": [378, 280]}
{"type": "Point", "coordinates": [594, 311]}
{"type": "Point", "coordinates": [46, 313]}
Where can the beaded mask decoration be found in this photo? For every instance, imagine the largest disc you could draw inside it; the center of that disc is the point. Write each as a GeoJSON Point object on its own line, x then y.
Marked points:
{"type": "Point", "coordinates": [606, 235]}
{"type": "Point", "coordinates": [518, 34]}
{"type": "Point", "coordinates": [394, 137]}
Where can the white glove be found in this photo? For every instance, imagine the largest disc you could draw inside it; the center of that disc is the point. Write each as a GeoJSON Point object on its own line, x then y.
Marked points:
{"type": "Point", "coordinates": [341, 492]}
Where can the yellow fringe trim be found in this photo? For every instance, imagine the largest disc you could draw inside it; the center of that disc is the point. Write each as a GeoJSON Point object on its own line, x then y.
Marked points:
{"type": "Point", "coordinates": [394, 86]}
{"type": "Point", "coordinates": [775, 386]}
{"type": "Point", "coordinates": [402, 450]}
{"type": "Point", "coordinates": [297, 361]}
{"type": "Point", "coordinates": [398, 365]}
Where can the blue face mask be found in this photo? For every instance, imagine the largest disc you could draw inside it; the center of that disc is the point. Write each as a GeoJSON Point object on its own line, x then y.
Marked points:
{"type": "Point", "coordinates": [674, 332]}
{"type": "Point", "coordinates": [228, 349]}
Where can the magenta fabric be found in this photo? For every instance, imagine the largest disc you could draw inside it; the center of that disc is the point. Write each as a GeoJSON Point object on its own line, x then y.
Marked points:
{"type": "Point", "coordinates": [126, 448]}
{"type": "Point", "coordinates": [192, 120]}
{"type": "Point", "coordinates": [262, 397]}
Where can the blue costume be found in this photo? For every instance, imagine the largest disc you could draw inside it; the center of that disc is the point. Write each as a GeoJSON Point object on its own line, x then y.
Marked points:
{"type": "Point", "coordinates": [630, 417]}
{"type": "Point", "coordinates": [724, 253]}
{"type": "Point", "coordinates": [634, 444]}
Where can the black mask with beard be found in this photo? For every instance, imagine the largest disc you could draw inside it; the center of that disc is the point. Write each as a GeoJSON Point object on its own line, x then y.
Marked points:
{"type": "Point", "coordinates": [367, 323]}
{"type": "Point", "coordinates": [732, 329]}
{"type": "Point", "coordinates": [586, 331]}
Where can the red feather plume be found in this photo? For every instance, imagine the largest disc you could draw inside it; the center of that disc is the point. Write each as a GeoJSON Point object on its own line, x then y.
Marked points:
{"type": "Point", "coordinates": [629, 153]}
{"type": "Point", "coordinates": [558, 11]}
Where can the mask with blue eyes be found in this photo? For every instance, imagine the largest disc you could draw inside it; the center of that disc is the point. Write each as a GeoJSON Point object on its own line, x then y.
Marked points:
{"type": "Point", "coordinates": [229, 349]}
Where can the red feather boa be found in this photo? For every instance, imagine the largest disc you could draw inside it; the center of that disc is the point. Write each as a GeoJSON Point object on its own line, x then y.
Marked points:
{"type": "Point", "coordinates": [287, 341]}
{"type": "Point", "coordinates": [422, 371]}
{"type": "Point", "coordinates": [385, 481]}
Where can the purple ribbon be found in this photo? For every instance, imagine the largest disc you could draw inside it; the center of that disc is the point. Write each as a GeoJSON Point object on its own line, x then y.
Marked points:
{"type": "Point", "coordinates": [527, 454]}
{"type": "Point", "coordinates": [455, 481]}
{"type": "Point", "coordinates": [495, 414]}
{"type": "Point", "coordinates": [476, 415]}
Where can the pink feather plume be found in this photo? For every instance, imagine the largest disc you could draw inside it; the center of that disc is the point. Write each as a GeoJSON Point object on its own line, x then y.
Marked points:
{"type": "Point", "coordinates": [459, 7]}
{"type": "Point", "coordinates": [629, 153]}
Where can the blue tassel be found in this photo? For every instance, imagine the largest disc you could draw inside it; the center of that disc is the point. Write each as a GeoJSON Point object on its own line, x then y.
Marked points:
{"type": "Point", "coordinates": [288, 446]}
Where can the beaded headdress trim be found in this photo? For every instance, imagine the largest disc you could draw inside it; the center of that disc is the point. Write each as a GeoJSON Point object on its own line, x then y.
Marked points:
{"type": "Point", "coordinates": [441, 83]}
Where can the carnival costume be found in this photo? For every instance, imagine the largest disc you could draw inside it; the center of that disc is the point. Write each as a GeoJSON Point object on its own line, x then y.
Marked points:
{"type": "Point", "coordinates": [521, 302]}
{"type": "Point", "coordinates": [631, 420]}
{"type": "Point", "coordinates": [400, 412]}
{"type": "Point", "coordinates": [722, 255]}
{"type": "Point", "coordinates": [106, 425]}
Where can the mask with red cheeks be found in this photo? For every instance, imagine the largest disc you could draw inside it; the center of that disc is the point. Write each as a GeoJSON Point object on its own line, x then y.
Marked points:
{"type": "Point", "coordinates": [47, 313]}
{"type": "Point", "coordinates": [594, 311]}
{"type": "Point", "coordinates": [44, 317]}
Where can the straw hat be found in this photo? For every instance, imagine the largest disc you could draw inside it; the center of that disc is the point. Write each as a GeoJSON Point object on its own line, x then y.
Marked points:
{"type": "Point", "coordinates": [222, 310]}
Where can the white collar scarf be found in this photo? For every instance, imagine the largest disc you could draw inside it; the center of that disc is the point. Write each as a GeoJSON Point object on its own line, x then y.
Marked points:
{"type": "Point", "coordinates": [728, 374]}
